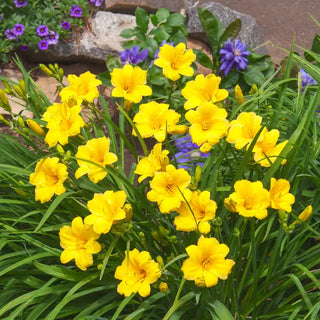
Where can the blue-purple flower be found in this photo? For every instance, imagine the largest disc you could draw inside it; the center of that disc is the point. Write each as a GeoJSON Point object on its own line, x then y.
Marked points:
{"type": "Point", "coordinates": [43, 45]}
{"type": "Point", "coordinates": [52, 37]}
{"type": "Point", "coordinates": [306, 79]}
{"type": "Point", "coordinates": [65, 25]}
{"type": "Point", "coordinates": [233, 55]}
{"type": "Point", "coordinates": [23, 47]}
{"type": "Point", "coordinates": [133, 55]}
{"type": "Point", "coordinates": [42, 30]}
{"type": "Point", "coordinates": [10, 34]}
{"type": "Point", "coordinates": [18, 29]}
{"type": "Point", "coordinates": [20, 3]}
{"type": "Point", "coordinates": [96, 3]}
{"type": "Point", "coordinates": [75, 11]}
{"type": "Point", "coordinates": [188, 153]}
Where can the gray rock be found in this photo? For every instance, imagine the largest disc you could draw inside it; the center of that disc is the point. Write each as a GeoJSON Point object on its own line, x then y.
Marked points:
{"type": "Point", "coordinates": [92, 46]}
{"type": "Point", "coordinates": [250, 32]}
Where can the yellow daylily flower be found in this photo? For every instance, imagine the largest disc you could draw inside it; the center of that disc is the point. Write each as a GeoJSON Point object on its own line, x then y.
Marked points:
{"type": "Point", "coordinates": [81, 88]}
{"type": "Point", "coordinates": [106, 208]}
{"type": "Point", "coordinates": [96, 151]}
{"type": "Point", "coordinates": [130, 83]}
{"type": "Point", "coordinates": [267, 150]}
{"type": "Point", "coordinates": [63, 122]}
{"type": "Point", "coordinates": [207, 263]}
{"type": "Point", "coordinates": [169, 188]}
{"type": "Point", "coordinates": [48, 178]}
{"type": "Point", "coordinates": [155, 162]}
{"type": "Point", "coordinates": [280, 198]}
{"type": "Point", "coordinates": [156, 119]}
{"type": "Point", "coordinates": [137, 272]}
{"type": "Point", "coordinates": [79, 243]}
{"type": "Point", "coordinates": [243, 130]}
{"type": "Point", "coordinates": [203, 89]}
{"type": "Point", "coordinates": [250, 199]}
{"type": "Point", "coordinates": [203, 210]}
{"type": "Point", "coordinates": [208, 125]}
{"type": "Point", "coordinates": [175, 61]}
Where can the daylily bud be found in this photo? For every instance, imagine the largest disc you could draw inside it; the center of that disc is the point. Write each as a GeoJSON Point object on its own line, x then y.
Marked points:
{"type": "Point", "coordinates": [4, 103]}
{"type": "Point", "coordinates": [46, 70]}
{"type": "Point", "coordinates": [7, 86]}
{"type": "Point", "coordinates": [22, 85]}
{"type": "Point", "coordinates": [35, 127]}
{"type": "Point", "coordinates": [206, 147]}
{"type": "Point", "coordinates": [21, 122]}
{"type": "Point", "coordinates": [160, 261]}
{"type": "Point", "coordinates": [304, 215]}
{"type": "Point", "coordinates": [239, 94]}
{"type": "Point", "coordinates": [3, 120]}
{"type": "Point", "coordinates": [60, 150]}
{"type": "Point", "coordinates": [128, 210]}
{"type": "Point", "coordinates": [253, 89]}
{"type": "Point", "coordinates": [163, 287]}
{"type": "Point", "coordinates": [19, 91]}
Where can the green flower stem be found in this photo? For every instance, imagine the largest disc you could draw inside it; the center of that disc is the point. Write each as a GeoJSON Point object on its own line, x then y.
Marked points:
{"type": "Point", "coordinates": [122, 129]}
{"type": "Point", "coordinates": [108, 254]}
{"type": "Point", "coordinates": [254, 262]}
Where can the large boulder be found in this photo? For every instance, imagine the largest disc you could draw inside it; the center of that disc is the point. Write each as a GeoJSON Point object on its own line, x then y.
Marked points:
{"type": "Point", "coordinates": [250, 32]}
{"type": "Point", "coordinates": [93, 45]}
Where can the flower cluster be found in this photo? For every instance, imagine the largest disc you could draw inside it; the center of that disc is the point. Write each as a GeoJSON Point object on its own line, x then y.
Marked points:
{"type": "Point", "coordinates": [167, 178]}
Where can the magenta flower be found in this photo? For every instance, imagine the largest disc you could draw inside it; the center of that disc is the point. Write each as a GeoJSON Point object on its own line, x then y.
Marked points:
{"type": "Point", "coordinates": [75, 11]}
{"type": "Point", "coordinates": [42, 30]}
{"type": "Point", "coordinates": [18, 29]}
{"type": "Point", "coordinates": [65, 25]}
{"type": "Point", "coordinates": [52, 38]}
{"type": "Point", "coordinates": [234, 55]}
{"type": "Point", "coordinates": [43, 45]}
{"type": "Point", "coordinates": [20, 3]}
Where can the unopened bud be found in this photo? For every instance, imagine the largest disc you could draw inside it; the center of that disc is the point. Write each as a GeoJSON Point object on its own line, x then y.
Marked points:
{"type": "Point", "coordinates": [35, 127]}
{"type": "Point", "coordinates": [21, 122]}
{"type": "Point", "coordinates": [3, 120]}
{"type": "Point", "coordinates": [22, 85]}
{"type": "Point", "coordinates": [7, 86]}
{"type": "Point", "coordinates": [60, 150]}
{"type": "Point", "coordinates": [206, 147]}
{"type": "Point", "coordinates": [18, 91]}
{"type": "Point", "coordinates": [128, 210]}
{"type": "Point", "coordinates": [163, 287]}
{"type": "Point", "coordinates": [160, 261]}
{"type": "Point", "coordinates": [253, 89]}
{"type": "Point", "coordinates": [4, 103]}
{"type": "Point", "coordinates": [304, 215]}
{"type": "Point", "coordinates": [239, 94]}
{"type": "Point", "coordinates": [46, 70]}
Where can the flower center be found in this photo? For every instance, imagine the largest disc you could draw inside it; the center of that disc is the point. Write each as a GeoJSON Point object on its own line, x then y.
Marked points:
{"type": "Point", "coordinates": [140, 274]}
{"type": "Point", "coordinates": [206, 125]}
{"type": "Point", "coordinates": [237, 52]}
{"type": "Point", "coordinates": [170, 188]}
{"type": "Point", "coordinates": [206, 263]}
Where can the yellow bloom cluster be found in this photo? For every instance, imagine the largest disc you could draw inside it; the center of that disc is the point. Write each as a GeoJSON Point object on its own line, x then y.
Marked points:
{"type": "Point", "coordinates": [242, 132]}
{"type": "Point", "coordinates": [251, 199]}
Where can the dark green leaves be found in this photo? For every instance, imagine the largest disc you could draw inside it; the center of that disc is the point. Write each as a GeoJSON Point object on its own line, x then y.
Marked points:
{"type": "Point", "coordinates": [142, 19]}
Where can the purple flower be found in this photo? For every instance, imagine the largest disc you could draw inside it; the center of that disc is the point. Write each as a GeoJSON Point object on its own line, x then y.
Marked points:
{"type": "Point", "coordinates": [306, 79]}
{"type": "Point", "coordinates": [0, 17]}
{"type": "Point", "coordinates": [10, 34]}
{"type": "Point", "coordinates": [18, 29]}
{"type": "Point", "coordinates": [52, 38]}
{"type": "Point", "coordinates": [20, 3]}
{"type": "Point", "coordinates": [23, 47]}
{"type": "Point", "coordinates": [96, 3]}
{"type": "Point", "coordinates": [65, 25]}
{"type": "Point", "coordinates": [133, 56]}
{"type": "Point", "coordinates": [188, 153]}
{"type": "Point", "coordinates": [75, 11]}
{"type": "Point", "coordinates": [234, 55]}
{"type": "Point", "coordinates": [43, 45]}
{"type": "Point", "coordinates": [42, 30]}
